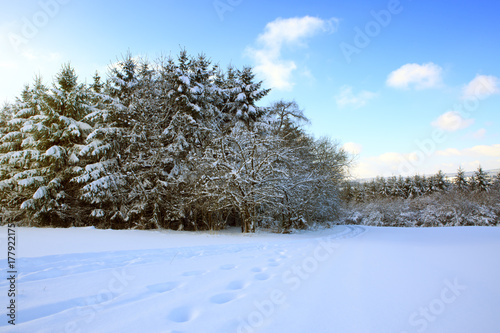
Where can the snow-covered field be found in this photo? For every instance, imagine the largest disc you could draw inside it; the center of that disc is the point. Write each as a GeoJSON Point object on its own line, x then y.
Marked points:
{"type": "Point", "coordinates": [345, 279]}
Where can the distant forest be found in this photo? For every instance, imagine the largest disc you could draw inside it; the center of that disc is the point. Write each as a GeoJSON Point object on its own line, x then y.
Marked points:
{"type": "Point", "coordinates": [176, 143]}
{"type": "Point", "coordinates": [424, 201]}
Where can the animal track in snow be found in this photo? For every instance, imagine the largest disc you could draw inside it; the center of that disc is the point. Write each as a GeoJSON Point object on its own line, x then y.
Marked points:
{"type": "Point", "coordinates": [222, 298]}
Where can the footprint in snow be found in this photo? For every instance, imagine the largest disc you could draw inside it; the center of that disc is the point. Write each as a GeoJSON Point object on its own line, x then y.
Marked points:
{"type": "Point", "coordinates": [272, 263]}
{"type": "Point", "coordinates": [222, 298]}
{"type": "Point", "coordinates": [182, 314]}
{"type": "Point", "coordinates": [236, 285]}
{"type": "Point", "coordinates": [262, 276]}
{"type": "Point", "coordinates": [256, 269]}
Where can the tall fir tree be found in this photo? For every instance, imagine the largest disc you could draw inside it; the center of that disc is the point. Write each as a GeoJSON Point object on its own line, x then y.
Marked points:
{"type": "Point", "coordinates": [480, 181]}
{"type": "Point", "coordinates": [440, 183]}
{"type": "Point", "coordinates": [460, 180]}
{"type": "Point", "coordinates": [48, 130]}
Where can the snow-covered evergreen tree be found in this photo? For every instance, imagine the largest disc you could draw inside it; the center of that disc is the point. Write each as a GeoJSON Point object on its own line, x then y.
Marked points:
{"type": "Point", "coordinates": [480, 181]}
{"type": "Point", "coordinates": [439, 181]}
{"type": "Point", "coordinates": [123, 79]}
{"type": "Point", "coordinates": [420, 184]}
{"type": "Point", "coordinates": [97, 85]}
{"type": "Point", "coordinates": [244, 93]}
{"type": "Point", "coordinates": [360, 193]}
{"type": "Point", "coordinates": [98, 174]}
{"type": "Point", "coordinates": [45, 134]}
{"type": "Point", "coordinates": [392, 183]}
{"type": "Point", "coordinates": [119, 149]}
{"type": "Point", "coordinates": [383, 187]}
{"type": "Point", "coordinates": [460, 180]}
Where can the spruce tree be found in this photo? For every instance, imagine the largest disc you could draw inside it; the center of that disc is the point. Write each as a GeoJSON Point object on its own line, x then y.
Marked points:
{"type": "Point", "coordinates": [480, 180]}
{"type": "Point", "coordinates": [383, 186]}
{"type": "Point", "coordinates": [97, 86]}
{"type": "Point", "coordinates": [244, 94]}
{"type": "Point", "coordinates": [440, 183]}
{"type": "Point", "coordinates": [45, 136]}
{"type": "Point", "coordinates": [460, 180]}
{"type": "Point", "coordinates": [115, 151]}
{"type": "Point", "coordinates": [419, 184]}
{"type": "Point", "coordinates": [391, 183]}
{"type": "Point", "coordinates": [98, 175]}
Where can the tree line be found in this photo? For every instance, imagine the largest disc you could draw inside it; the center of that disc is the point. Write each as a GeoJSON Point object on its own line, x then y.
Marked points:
{"type": "Point", "coordinates": [417, 186]}
{"type": "Point", "coordinates": [176, 143]}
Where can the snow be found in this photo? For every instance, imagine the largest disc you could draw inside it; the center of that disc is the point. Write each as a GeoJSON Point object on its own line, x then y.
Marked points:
{"type": "Point", "coordinates": [184, 79]}
{"type": "Point", "coordinates": [73, 159]}
{"type": "Point", "coordinates": [55, 151]}
{"type": "Point", "coordinates": [344, 279]}
{"type": "Point", "coordinates": [241, 97]}
{"type": "Point", "coordinates": [195, 89]}
{"type": "Point", "coordinates": [42, 192]}
{"type": "Point", "coordinates": [28, 204]}
{"type": "Point", "coordinates": [251, 110]}
{"type": "Point", "coordinates": [30, 181]}
{"type": "Point", "coordinates": [15, 135]}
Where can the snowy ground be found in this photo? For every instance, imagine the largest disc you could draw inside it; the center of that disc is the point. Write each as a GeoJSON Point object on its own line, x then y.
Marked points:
{"type": "Point", "coordinates": [345, 279]}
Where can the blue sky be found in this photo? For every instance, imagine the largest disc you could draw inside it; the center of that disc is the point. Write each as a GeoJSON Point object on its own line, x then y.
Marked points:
{"type": "Point", "coordinates": [410, 86]}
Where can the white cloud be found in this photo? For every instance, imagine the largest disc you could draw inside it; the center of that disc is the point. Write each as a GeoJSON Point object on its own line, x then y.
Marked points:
{"type": "Point", "coordinates": [418, 76]}
{"type": "Point", "coordinates": [483, 150]}
{"type": "Point", "coordinates": [481, 87]}
{"type": "Point", "coordinates": [352, 148]}
{"type": "Point", "coordinates": [385, 165]}
{"type": "Point", "coordinates": [281, 32]}
{"type": "Point", "coordinates": [452, 121]}
{"type": "Point", "coordinates": [347, 98]}
{"type": "Point", "coordinates": [449, 152]}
